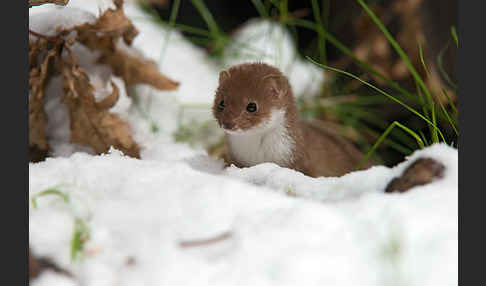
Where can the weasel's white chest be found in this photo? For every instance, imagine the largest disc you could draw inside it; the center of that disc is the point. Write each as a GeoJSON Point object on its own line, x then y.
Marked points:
{"type": "Point", "coordinates": [275, 146]}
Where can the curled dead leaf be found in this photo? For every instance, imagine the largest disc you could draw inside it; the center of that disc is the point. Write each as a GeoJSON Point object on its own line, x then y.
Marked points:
{"type": "Point", "coordinates": [134, 70]}
{"type": "Point", "coordinates": [91, 122]}
{"type": "Point", "coordinates": [110, 100]}
{"type": "Point", "coordinates": [40, 2]}
{"type": "Point", "coordinates": [104, 36]}
{"type": "Point", "coordinates": [38, 77]}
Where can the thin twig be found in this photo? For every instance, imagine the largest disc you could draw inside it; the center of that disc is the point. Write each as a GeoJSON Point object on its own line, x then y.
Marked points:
{"type": "Point", "coordinates": [54, 39]}
{"type": "Point", "coordinates": [40, 2]}
{"type": "Point", "coordinates": [203, 242]}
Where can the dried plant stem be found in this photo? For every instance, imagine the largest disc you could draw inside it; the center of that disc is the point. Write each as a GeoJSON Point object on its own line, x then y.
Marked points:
{"type": "Point", "coordinates": [203, 242]}
{"type": "Point", "coordinates": [48, 38]}
{"type": "Point", "coordinates": [40, 2]}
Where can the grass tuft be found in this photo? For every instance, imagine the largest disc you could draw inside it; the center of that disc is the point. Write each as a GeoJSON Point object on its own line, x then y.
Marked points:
{"type": "Point", "coordinates": [353, 114]}
{"type": "Point", "coordinates": [80, 233]}
{"type": "Point", "coordinates": [380, 91]}
{"type": "Point", "coordinates": [394, 124]}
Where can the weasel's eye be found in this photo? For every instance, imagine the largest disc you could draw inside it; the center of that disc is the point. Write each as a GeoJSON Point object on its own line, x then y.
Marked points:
{"type": "Point", "coordinates": [251, 107]}
{"type": "Point", "coordinates": [221, 105]}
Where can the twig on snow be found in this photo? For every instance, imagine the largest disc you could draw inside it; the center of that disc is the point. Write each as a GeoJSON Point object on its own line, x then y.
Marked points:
{"type": "Point", "coordinates": [203, 242]}
{"type": "Point", "coordinates": [40, 2]}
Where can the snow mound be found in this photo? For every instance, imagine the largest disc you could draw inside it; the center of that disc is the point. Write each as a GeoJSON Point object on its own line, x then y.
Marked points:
{"type": "Point", "coordinates": [266, 41]}
{"type": "Point", "coordinates": [49, 277]}
{"type": "Point", "coordinates": [337, 231]}
{"type": "Point", "coordinates": [93, 7]}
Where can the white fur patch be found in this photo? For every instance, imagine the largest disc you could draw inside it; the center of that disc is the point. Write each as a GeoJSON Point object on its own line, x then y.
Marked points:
{"type": "Point", "coordinates": [267, 142]}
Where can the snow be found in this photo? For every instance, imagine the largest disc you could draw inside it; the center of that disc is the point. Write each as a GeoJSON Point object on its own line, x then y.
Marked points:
{"type": "Point", "coordinates": [261, 40]}
{"type": "Point", "coordinates": [50, 19]}
{"type": "Point", "coordinates": [93, 7]}
{"type": "Point", "coordinates": [336, 231]}
{"type": "Point", "coordinates": [49, 277]}
{"type": "Point", "coordinates": [352, 184]}
{"type": "Point", "coordinates": [285, 228]}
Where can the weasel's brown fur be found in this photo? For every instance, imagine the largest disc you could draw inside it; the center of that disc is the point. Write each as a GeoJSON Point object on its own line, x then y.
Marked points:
{"type": "Point", "coordinates": [313, 151]}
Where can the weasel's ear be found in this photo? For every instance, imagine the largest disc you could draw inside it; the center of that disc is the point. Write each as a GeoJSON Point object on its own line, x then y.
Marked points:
{"type": "Point", "coordinates": [223, 75]}
{"type": "Point", "coordinates": [277, 84]}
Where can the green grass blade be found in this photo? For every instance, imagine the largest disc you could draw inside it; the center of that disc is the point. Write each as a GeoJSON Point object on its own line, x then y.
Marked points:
{"type": "Point", "coordinates": [444, 111]}
{"type": "Point", "coordinates": [435, 137]}
{"type": "Point", "coordinates": [172, 19]}
{"type": "Point", "coordinates": [50, 191]}
{"type": "Point", "coordinates": [347, 111]}
{"type": "Point", "coordinates": [207, 16]}
{"type": "Point", "coordinates": [180, 27]}
{"type": "Point", "coordinates": [340, 46]}
{"type": "Point", "coordinates": [395, 146]}
{"type": "Point", "coordinates": [421, 54]}
{"type": "Point", "coordinates": [260, 8]}
{"type": "Point", "coordinates": [449, 99]}
{"type": "Point", "coordinates": [454, 35]}
{"type": "Point", "coordinates": [449, 119]}
{"type": "Point", "coordinates": [383, 136]}
{"type": "Point", "coordinates": [320, 35]}
{"type": "Point", "coordinates": [422, 101]}
{"type": "Point", "coordinates": [192, 30]}
{"type": "Point", "coordinates": [80, 236]}
{"type": "Point", "coordinates": [174, 12]}
{"type": "Point", "coordinates": [397, 48]}
{"type": "Point", "coordinates": [426, 142]}
{"type": "Point", "coordinates": [440, 65]}
{"type": "Point", "coordinates": [326, 10]}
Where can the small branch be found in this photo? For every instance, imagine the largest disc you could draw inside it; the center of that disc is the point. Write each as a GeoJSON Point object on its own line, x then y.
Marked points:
{"type": "Point", "coordinates": [203, 242]}
{"type": "Point", "coordinates": [48, 38]}
{"type": "Point", "coordinates": [40, 2]}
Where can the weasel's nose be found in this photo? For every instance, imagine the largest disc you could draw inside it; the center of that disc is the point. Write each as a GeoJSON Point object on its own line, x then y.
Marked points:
{"type": "Point", "coordinates": [228, 125]}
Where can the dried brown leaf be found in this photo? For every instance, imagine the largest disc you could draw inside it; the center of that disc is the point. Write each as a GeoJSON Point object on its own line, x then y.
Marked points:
{"type": "Point", "coordinates": [134, 70]}
{"type": "Point", "coordinates": [35, 48]}
{"type": "Point", "coordinates": [114, 23]}
{"type": "Point", "coordinates": [104, 36]}
{"type": "Point", "coordinates": [91, 122]}
{"type": "Point", "coordinates": [110, 100]}
{"type": "Point", "coordinates": [40, 2]}
{"type": "Point", "coordinates": [38, 77]}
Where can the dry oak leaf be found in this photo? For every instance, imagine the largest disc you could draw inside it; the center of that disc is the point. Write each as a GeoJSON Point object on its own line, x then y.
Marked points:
{"type": "Point", "coordinates": [40, 2]}
{"type": "Point", "coordinates": [38, 77]}
{"type": "Point", "coordinates": [91, 122]}
{"type": "Point", "coordinates": [113, 22]}
{"type": "Point", "coordinates": [104, 36]}
{"type": "Point", "coordinates": [135, 69]}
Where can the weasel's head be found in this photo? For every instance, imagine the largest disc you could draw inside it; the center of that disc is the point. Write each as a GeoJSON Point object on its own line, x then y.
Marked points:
{"type": "Point", "coordinates": [251, 97]}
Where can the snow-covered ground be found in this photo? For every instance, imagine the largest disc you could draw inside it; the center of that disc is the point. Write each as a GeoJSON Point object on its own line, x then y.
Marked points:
{"type": "Point", "coordinates": [280, 227]}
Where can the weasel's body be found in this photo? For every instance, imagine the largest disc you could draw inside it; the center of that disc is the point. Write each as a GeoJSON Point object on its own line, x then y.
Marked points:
{"type": "Point", "coordinates": [255, 106]}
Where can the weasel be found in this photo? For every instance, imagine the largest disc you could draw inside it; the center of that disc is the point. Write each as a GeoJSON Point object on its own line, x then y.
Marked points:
{"type": "Point", "coordinates": [255, 106]}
